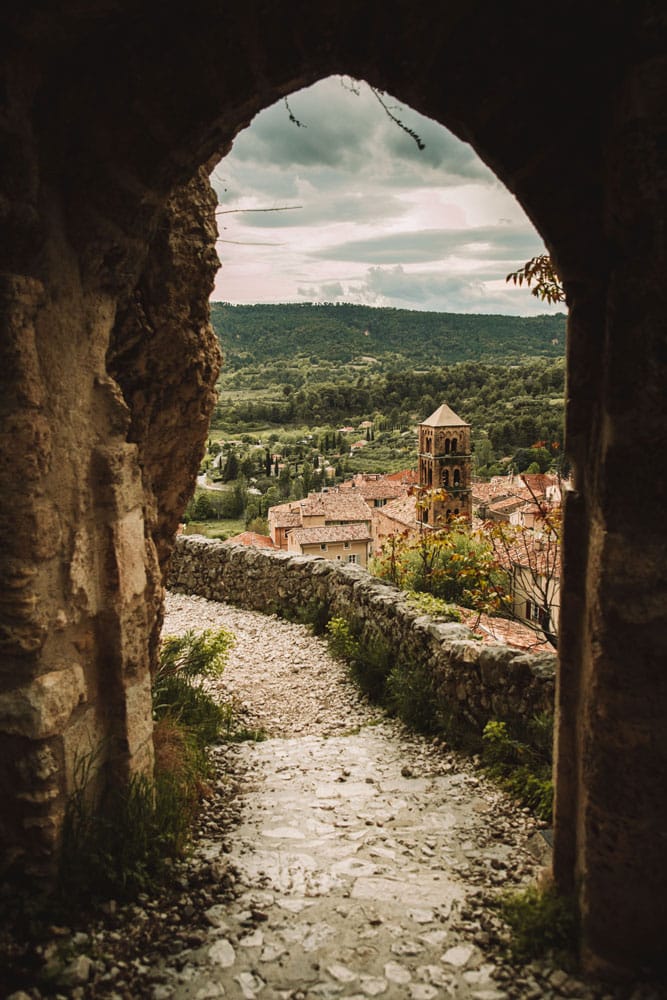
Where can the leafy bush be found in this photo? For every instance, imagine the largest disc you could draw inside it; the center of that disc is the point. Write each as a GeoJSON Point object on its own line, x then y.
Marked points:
{"type": "Point", "coordinates": [369, 656]}
{"type": "Point", "coordinates": [434, 606]}
{"type": "Point", "coordinates": [185, 661]}
{"type": "Point", "coordinates": [371, 668]}
{"type": "Point", "coordinates": [456, 565]}
{"type": "Point", "coordinates": [314, 613]}
{"type": "Point", "coordinates": [411, 694]}
{"type": "Point", "coordinates": [541, 922]}
{"type": "Point", "coordinates": [341, 639]}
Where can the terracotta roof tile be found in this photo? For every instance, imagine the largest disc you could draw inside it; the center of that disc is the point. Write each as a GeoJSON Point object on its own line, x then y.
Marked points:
{"type": "Point", "coordinates": [251, 538]}
{"type": "Point", "coordinates": [403, 510]}
{"type": "Point", "coordinates": [374, 487]}
{"type": "Point", "coordinates": [502, 630]}
{"type": "Point", "coordinates": [331, 533]}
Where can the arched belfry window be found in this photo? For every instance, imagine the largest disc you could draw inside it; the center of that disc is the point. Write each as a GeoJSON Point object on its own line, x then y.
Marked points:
{"type": "Point", "coordinates": [430, 477]}
{"type": "Point", "coordinates": [448, 445]}
{"type": "Point", "coordinates": [445, 477]}
{"type": "Point", "coordinates": [453, 445]}
{"type": "Point", "coordinates": [457, 477]}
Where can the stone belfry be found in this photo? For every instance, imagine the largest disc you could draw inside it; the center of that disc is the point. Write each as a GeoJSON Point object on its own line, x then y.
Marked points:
{"type": "Point", "coordinates": [445, 464]}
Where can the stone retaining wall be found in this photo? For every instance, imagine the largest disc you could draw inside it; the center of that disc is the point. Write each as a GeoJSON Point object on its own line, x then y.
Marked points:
{"type": "Point", "coordinates": [479, 682]}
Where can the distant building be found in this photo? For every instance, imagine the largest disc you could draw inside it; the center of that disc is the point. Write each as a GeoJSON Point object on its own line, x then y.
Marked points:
{"type": "Point", "coordinates": [375, 488]}
{"type": "Point", "coordinates": [445, 468]}
{"type": "Point", "coordinates": [396, 517]}
{"type": "Point", "coordinates": [339, 542]}
{"type": "Point", "coordinates": [381, 493]}
{"type": "Point", "coordinates": [335, 524]}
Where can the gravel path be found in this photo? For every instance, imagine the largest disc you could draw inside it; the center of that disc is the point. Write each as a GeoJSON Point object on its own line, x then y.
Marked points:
{"type": "Point", "coordinates": [285, 676]}
{"type": "Point", "coordinates": [341, 857]}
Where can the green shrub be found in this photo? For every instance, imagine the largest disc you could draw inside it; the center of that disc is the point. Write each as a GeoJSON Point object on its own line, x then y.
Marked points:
{"type": "Point", "coordinates": [429, 604]}
{"type": "Point", "coordinates": [119, 846]}
{"type": "Point", "coordinates": [542, 922]}
{"type": "Point", "coordinates": [341, 639]}
{"type": "Point", "coordinates": [372, 665]}
{"type": "Point", "coordinates": [522, 768]}
{"type": "Point", "coordinates": [411, 694]}
{"type": "Point", "coordinates": [314, 613]}
{"type": "Point", "coordinates": [369, 657]}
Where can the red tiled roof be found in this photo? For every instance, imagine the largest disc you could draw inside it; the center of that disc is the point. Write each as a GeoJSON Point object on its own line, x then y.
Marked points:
{"type": "Point", "coordinates": [374, 487]}
{"type": "Point", "coordinates": [538, 482]}
{"type": "Point", "coordinates": [336, 505]}
{"type": "Point", "coordinates": [282, 516]}
{"type": "Point", "coordinates": [251, 538]}
{"type": "Point", "coordinates": [331, 533]}
{"type": "Point", "coordinates": [502, 630]}
{"type": "Point", "coordinates": [496, 488]}
{"type": "Point", "coordinates": [513, 502]}
{"type": "Point", "coordinates": [537, 551]}
{"type": "Point", "coordinates": [403, 510]}
{"type": "Point", "coordinates": [408, 476]}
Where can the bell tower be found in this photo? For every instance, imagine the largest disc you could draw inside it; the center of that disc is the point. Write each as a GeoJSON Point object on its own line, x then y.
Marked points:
{"type": "Point", "coordinates": [444, 465]}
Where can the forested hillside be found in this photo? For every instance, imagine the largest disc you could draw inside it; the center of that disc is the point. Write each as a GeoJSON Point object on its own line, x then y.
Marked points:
{"type": "Point", "coordinates": [309, 395]}
{"type": "Point", "coordinates": [344, 333]}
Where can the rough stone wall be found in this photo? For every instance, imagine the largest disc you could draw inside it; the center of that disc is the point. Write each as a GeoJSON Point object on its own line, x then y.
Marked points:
{"type": "Point", "coordinates": [477, 681]}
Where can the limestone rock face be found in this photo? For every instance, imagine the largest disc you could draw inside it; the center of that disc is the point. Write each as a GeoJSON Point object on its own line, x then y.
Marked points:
{"type": "Point", "coordinates": [165, 357]}
{"type": "Point", "coordinates": [108, 363]}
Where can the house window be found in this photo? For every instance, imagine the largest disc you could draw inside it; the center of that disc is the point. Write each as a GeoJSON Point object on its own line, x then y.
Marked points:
{"type": "Point", "coordinates": [352, 558]}
{"type": "Point", "coordinates": [323, 546]}
{"type": "Point", "coordinates": [346, 545]}
{"type": "Point", "coordinates": [535, 613]}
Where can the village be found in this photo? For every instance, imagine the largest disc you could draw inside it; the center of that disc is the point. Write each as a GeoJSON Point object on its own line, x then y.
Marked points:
{"type": "Point", "coordinates": [355, 521]}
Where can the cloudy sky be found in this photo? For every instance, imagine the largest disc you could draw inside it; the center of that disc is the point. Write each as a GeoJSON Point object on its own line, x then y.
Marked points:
{"type": "Point", "coordinates": [365, 216]}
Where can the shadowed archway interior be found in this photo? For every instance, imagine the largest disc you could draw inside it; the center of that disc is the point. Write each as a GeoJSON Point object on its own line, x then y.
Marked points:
{"type": "Point", "coordinates": [113, 116]}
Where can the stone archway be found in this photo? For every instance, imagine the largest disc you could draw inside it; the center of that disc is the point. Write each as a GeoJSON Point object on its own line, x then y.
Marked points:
{"type": "Point", "coordinates": [111, 114]}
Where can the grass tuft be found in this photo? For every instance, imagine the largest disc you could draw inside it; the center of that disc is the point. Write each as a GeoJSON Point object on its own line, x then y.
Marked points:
{"type": "Point", "coordinates": [121, 843]}
{"type": "Point", "coordinates": [542, 923]}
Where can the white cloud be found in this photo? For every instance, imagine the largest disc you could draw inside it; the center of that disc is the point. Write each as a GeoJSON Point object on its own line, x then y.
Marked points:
{"type": "Point", "coordinates": [370, 217]}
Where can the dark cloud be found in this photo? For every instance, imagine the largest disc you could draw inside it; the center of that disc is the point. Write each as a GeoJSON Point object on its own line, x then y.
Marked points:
{"type": "Point", "coordinates": [352, 135]}
{"type": "Point", "coordinates": [486, 242]}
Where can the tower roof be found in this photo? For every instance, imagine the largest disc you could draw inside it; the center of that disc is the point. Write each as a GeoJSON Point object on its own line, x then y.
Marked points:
{"type": "Point", "coordinates": [444, 416]}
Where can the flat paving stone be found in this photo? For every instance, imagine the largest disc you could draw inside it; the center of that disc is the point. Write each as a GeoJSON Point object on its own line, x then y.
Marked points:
{"type": "Point", "coordinates": [356, 830]}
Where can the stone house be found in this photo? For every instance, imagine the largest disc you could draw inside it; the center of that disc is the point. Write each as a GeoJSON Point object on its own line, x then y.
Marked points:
{"type": "Point", "coordinates": [349, 543]}
{"type": "Point", "coordinates": [299, 525]}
